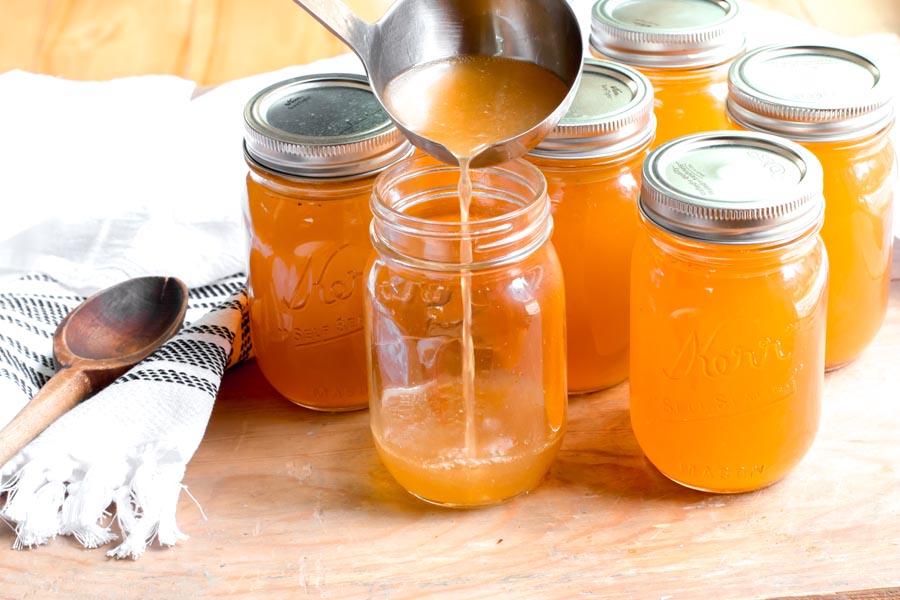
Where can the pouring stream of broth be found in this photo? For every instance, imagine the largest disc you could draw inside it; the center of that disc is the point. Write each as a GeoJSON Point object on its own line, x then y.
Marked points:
{"type": "Point", "coordinates": [469, 103]}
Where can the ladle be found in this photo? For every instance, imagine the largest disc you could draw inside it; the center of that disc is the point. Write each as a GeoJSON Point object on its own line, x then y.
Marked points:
{"type": "Point", "coordinates": [415, 32]}
{"type": "Point", "coordinates": [94, 344]}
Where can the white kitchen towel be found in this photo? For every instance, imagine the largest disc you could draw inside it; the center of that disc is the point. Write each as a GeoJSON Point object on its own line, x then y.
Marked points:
{"type": "Point", "coordinates": [129, 444]}
{"type": "Point", "coordinates": [104, 181]}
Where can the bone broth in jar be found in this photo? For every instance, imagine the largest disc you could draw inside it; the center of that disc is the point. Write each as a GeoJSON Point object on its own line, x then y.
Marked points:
{"type": "Point", "coordinates": [728, 302]}
{"type": "Point", "coordinates": [592, 163]}
{"type": "Point", "coordinates": [683, 46]}
{"type": "Point", "coordinates": [465, 318]}
{"type": "Point", "coordinates": [313, 146]}
{"type": "Point", "coordinates": [838, 104]}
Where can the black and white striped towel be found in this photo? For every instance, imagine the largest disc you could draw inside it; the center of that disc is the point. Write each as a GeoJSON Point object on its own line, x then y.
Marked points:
{"type": "Point", "coordinates": [128, 445]}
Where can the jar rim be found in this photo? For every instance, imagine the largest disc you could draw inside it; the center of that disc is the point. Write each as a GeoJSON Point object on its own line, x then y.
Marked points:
{"type": "Point", "coordinates": [497, 240]}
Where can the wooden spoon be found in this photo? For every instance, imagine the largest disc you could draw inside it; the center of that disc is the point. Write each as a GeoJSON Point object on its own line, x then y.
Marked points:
{"type": "Point", "coordinates": [94, 344]}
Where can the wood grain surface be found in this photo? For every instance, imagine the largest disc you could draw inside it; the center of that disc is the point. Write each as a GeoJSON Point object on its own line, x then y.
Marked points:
{"type": "Point", "coordinates": [213, 41]}
{"type": "Point", "coordinates": [207, 41]}
{"type": "Point", "coordinates": [880, 594]}
{"type": "Point", "coordinates": [297, 504]}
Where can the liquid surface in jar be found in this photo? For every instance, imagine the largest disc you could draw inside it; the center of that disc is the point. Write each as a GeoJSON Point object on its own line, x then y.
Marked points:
{"type": "Point", "coordinates": [470, 102]}
{"type": "Point", "coordinates": [725, 396]}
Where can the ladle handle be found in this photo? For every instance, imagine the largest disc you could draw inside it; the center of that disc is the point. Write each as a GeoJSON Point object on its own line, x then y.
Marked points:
{"type": "Point", "coordinates": [342, 22]}
{"type": "Point", "coordinates": [64, 390]}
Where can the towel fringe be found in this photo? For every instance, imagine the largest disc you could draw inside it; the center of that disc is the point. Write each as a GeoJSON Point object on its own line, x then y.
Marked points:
{"type": "Point", "coordinates": [145, 489]}
{"type": "Point", "coordinates": [145, 509]}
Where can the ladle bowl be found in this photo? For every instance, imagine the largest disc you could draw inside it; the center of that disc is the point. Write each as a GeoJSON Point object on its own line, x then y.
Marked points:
{"type": "Point", "coordinates": [95, 343]}
{"type": "Point", "coordinates": [416, 32]}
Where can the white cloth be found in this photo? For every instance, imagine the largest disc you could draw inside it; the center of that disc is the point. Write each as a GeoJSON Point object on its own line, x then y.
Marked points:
{"type": "Point", "coordinates": [127, 445]}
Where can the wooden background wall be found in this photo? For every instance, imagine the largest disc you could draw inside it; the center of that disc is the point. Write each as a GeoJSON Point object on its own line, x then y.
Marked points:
{"type": "Point", "coordinates": [212, 41]}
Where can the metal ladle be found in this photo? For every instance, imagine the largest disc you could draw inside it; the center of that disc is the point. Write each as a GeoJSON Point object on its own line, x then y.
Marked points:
{"type": "Point", "coordinates": [415, 32]}
{"type": "Point", "coordinates": [98, 341]}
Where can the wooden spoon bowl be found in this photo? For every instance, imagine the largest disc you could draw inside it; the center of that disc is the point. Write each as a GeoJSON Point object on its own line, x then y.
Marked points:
{"type": "Point", "coordinates": [98, 341]}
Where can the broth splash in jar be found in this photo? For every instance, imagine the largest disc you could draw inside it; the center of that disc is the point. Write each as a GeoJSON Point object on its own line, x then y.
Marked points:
{"type": "Point", "coordinates": [468, 104]}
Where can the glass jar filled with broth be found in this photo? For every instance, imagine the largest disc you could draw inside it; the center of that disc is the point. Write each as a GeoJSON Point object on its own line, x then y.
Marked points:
{"type": "Point", "coordinates": [314, 146]}
{"type": "Point", "coordinates": [728, 301]}
{"type": "Point", "coordinates": [592, 162]}
{"type": "Point", "coordinates": [837, 103]}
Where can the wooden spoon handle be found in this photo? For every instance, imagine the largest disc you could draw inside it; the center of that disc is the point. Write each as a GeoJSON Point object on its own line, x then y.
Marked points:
{"type": "Point", "coordinates": [64, 390]}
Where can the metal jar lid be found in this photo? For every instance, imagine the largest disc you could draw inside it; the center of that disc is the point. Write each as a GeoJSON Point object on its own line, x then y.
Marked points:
{"type": "Point", "coordinates": [612, 113]}
{"type": "Point", "coordinates": [328, 125]}
{"type": "Point", "coordinates": [810, 93]}
{"type": "Point", "coordinates": [667, 33]}
{"type": "Point", "coordinates": [732, 187]}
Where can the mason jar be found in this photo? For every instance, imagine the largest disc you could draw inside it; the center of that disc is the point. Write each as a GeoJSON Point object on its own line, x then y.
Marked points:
{"type": "Point", "coordinates": [684, 47]}
{"type": "Point", "coordinates": [728, 302]}
{"type": "Point", "coordinates": [465, 323]}
{"type": "Point", "coordinates": [314, 146]}
{"type": "Point", "coordinates": [592, 162]}
{"type": "Point", "coordinates": [838, 104]}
